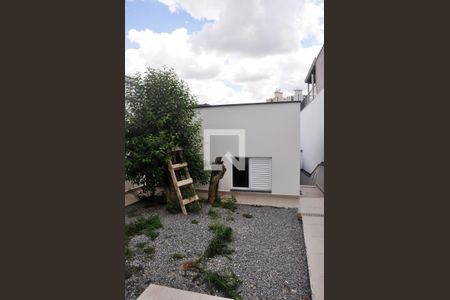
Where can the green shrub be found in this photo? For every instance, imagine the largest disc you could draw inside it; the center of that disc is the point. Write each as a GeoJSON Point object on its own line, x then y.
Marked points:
{"type": "Point", "coordinates": [177, 256]}
{"type": "Point", "coordinates": [143, 225]}
{"type": "Point", "coordinates": [127, 237]}
{"type": "Point", "coordinates": [187, 192]}
{"type": "Point", "coordinates": [131, 270]}
{"type": "Point", "coordinates": [153, 200]}
{"type": "Point", "coordinates": [229, 203]}
{"type": "Point", "coordinates": [217, 201]}
{"type": "Point", "coordinates": [219, 243]}
{"type": "Point", "coordinates": [216, 226]}
{"type": "Point", "coordinates": [228, 284]}
{"type": "Point", "coordinates": [173, 206]}
{"type": "Point", "coordinates": [149, 250]}
{"type": "Point", "coordinates": [132, 212]}
{"type": "Point", "coordinates": [131, 229]}
{"type": "Point", "coordinates": [151, 233]}
{"type": "Point", "coordinates": [213, 213]}
{"type": "Point", "coordinates": [229, 218]}
{"type": "Point", "coordinates": [141, 245]}
{"type": "Point", "coordinates": [194, 207]}
{"type": "Point", "coordinates": [128, 252]}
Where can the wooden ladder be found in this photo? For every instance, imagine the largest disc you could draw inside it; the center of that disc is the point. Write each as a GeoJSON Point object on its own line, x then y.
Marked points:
{"type": "Point", "coordinates": [187, 181]}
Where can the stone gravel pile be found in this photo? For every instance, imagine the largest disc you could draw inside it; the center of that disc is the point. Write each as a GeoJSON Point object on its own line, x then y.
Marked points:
{"type": "Point", "coordinates": [269, 252]}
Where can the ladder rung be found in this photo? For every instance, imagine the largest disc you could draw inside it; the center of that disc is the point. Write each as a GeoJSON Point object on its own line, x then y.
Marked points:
{"type": "Point", "coordinates": [192, 199]}
{"type": "Point", "coordinates": [184, 182]}
{"type": "Point", "coordinates": [179, 166]}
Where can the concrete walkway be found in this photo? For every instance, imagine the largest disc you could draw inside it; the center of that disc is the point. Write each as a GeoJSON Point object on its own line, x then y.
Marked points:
{"type": "Point", "coordinates": [159, 292]}
{"type": "Point", "coordinates": [312, 213]}
{"type": "Point", "coordinates": [258, 198]}
{"type": "Point", "coordinates": [310, 191]}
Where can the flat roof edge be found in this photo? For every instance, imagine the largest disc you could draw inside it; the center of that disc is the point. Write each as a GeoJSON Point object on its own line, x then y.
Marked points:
{"type": "Point", "coordinates": [313, 65]}
{"type": "Point", "coordinates": [241, 104]}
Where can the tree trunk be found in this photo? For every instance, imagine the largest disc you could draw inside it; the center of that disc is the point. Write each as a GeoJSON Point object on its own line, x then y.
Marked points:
{"type": "Point", "coordinates": [213, 191]}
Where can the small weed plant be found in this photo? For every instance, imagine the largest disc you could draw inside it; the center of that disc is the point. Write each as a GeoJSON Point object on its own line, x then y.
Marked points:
{"type": "Point", "coordinates": [128, 252]}
{"type": "Point", "coordinates": [229, 203]}
{"type": "Point", "coordinates": [133, 212]}
{"type": "Point", "coordinates": [141, 245]}
{"type": "Point", "coordinates": [149, 250]}
{"type": "Point", "coordinates": [148, 226]}
{"type": "Point", "coordinates": [227, 283]}
{"type": "Point", "coordinates": [214, 214]}
{"type": "Point", "coordinates": [151, 233]}
{"type": "Point", "coordinates": [219, 243]}
{"type": "Point", "coordinates": [194, 207]}
{"type": "Point", "coordinates": [217, 201]}
{"type": "Point", "coordinates": [187, 192]}
{"type": "Point", "coordinates": [132, 270]}
{"type": "Point", "coordinates": [177, 256]}
{"type": "Point", "coordinates": [173, 206]}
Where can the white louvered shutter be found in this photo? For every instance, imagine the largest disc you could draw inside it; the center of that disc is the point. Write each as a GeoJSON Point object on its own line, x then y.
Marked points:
{"type": "Point", "coordinates": [261, 173]}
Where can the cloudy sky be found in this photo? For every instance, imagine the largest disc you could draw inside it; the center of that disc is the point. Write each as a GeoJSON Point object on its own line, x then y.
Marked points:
{"type": "Point", "coordinates": [228, 51]}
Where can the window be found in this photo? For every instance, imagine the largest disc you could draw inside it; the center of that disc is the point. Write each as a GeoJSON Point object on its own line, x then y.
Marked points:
{"type": "Point", "coordinates": [256, 176]}
{"type": "Point", "coordinates": [240, 178]}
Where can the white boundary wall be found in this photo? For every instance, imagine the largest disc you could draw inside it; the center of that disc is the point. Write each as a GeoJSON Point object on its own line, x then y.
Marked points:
{"type": "Point", "coordinates": [312, 133]}
{"type": "Point", "coordinates": [271, 130]}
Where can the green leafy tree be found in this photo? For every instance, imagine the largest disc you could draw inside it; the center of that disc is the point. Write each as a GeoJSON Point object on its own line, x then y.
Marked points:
{"type": "Point", "coordinates": [160, 115]}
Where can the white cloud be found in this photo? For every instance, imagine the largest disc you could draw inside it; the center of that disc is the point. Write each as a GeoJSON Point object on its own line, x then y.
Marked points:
{"type": "Point", "coordinates": [311, 20]}
{"type": "Point", "coordinates": [198, 9]}
{"type": "Point", "coordinates": [255, 45]}
{"type": "Point", "coordinates": [170, 49]}
{"type": "Point", "coordinates": [217, 92]}
{"type": "Point", "coordinates": [255, 28]}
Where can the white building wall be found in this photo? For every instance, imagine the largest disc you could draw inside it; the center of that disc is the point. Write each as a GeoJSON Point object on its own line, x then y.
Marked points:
{"type": "Point", "coordinates": [312, 133]}
{"type": "Point", "coordinates": [271, 130]}
{"type": "Point", "coordinates": [320, 71]}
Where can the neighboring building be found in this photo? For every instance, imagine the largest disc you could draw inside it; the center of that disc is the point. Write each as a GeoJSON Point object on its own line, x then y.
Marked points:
{"type": "Point", "coordinates": [312, 124]}
{"type": "Point", "coordinates": [315, 78]}
{"type": "Point", "coordinates": [278, 96]}
{"type": "Point", "coordinates": [272, 144]}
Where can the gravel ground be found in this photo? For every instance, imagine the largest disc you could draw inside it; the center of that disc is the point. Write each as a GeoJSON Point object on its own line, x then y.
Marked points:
{"type": "Point", "coordinates": [269, 257]}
